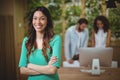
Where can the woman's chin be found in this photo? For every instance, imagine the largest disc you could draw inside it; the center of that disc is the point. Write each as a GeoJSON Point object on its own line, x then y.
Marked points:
{"type": "Point", "coordinates": [39, 30]}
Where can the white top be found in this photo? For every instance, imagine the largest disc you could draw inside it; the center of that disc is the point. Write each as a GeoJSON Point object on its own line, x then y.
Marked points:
{"type": "Point", "coordinates": [74, 40]}
{"type": "Point", "coordinates": [100, 38]}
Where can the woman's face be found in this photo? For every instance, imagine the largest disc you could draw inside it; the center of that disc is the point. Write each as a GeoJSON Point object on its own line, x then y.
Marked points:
{"type": "Point", "coordinates": [99, 24]}
{"type": "Point", "coordinates": [39, 21]}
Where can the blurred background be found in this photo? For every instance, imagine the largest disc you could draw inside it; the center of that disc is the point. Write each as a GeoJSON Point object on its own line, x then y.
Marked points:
{"type": "Point", "coordinates": [13, 26]}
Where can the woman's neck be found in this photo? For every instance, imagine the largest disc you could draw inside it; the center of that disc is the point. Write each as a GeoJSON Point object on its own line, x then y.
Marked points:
{"type": "Point", "coordinates": [39, 35]}
{"type": "Point", "coordinates": [101, 29]}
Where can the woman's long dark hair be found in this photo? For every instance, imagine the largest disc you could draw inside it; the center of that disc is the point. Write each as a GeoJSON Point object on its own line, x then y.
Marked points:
{"type": "Point", "coordinates": [48, 34]}
{"type": "Point", "coordinates": [104, 21]}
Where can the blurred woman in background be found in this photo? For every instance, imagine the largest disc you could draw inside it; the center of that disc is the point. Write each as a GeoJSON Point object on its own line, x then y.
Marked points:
{"type": "Point", "coordinates": [101, 33]}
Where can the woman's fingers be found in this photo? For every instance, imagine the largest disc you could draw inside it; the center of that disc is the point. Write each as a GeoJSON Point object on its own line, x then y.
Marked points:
{"type": "Point", "coordinates": [53, 59]}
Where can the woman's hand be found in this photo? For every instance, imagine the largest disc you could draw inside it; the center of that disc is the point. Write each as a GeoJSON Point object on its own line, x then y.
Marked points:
{"type": "Point", "coordinates": [70, 61]}
{"type": "Point", "coordinates": [30, 66]}
{"type": "Point", "coordinates": [52, 60]}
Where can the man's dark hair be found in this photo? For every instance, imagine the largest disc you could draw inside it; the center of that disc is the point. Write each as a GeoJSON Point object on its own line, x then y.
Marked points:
{"type": "Point", "coordinates": [82, 20]}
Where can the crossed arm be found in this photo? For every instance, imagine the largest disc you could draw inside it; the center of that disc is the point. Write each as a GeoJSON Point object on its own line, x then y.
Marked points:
{"type": "Point", "coordinates": [33, 69]}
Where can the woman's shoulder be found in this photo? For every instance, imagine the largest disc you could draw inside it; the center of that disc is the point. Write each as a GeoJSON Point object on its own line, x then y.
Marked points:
{"type": "Point", "coordinates": [25, 39]}
{"type": "Point", "coordinates": [56, 37]}
{"type": "Point", "coordinates": [56, 40]}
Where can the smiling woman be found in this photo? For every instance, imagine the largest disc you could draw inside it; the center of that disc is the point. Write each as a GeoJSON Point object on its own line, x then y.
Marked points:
{"type": "Point", "coordinates": [39, 21]}
{"type": "Point", "coordinates": [41, 49]}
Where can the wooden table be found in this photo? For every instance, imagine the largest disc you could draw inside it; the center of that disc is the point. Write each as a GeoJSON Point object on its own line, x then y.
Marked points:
{"type": "Point", "coordinates": [75, 74]}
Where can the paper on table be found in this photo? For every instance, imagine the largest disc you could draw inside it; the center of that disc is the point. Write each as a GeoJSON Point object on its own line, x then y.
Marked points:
{"type": "Point", "coordinates": [75, 64]}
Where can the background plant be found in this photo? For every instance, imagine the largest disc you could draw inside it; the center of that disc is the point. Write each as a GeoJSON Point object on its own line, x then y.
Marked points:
{"type": "Point", "coordinates": [114, 18]}
{"type": "Point", "coordinates": [73, 12]}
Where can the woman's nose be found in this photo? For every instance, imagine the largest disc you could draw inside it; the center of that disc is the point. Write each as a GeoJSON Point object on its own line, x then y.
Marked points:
{"type": "Point", "coordinates": [38, 21]}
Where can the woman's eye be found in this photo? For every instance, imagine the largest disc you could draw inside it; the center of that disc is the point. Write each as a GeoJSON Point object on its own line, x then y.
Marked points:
{"type": "Point", "coordinates": [43, 18]}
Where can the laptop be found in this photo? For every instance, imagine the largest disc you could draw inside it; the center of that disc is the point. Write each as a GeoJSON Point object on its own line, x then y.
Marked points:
{"type": "Point", "coordinates": [104, 55]}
